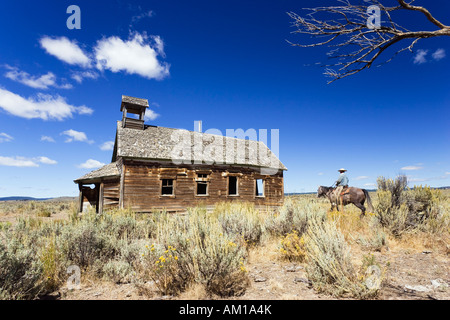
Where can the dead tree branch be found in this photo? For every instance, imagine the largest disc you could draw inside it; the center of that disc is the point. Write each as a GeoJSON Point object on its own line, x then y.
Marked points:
{"type": "Point", "coordinates": [356, 45]}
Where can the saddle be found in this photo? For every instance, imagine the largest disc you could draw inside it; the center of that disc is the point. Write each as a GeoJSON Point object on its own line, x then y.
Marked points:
{"type": "Point", "coordinates": [345, 191]}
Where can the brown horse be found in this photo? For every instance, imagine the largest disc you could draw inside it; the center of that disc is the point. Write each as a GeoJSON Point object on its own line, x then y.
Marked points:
{"type": "Point", "coordinates": [352, 195]}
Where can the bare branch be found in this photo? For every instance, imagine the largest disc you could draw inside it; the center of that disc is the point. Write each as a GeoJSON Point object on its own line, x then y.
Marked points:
{"type": "Point", "coordinates": [427, 13]}
{"type": "Point", "coordinates": [355, 45]}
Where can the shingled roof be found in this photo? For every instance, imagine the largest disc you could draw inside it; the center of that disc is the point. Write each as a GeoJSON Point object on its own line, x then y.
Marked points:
{"type": "Point", "coordinates": [160, 143]}
{"type": "Point", "coordinates": [109, 170]}
{"type": "Point", "coordinates": [126, 100]}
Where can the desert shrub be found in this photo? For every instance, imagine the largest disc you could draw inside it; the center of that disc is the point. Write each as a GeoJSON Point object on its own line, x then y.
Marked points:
{"type": "Point", "coordinates": [424, 203]}
{"type": "Point", "coordinates": [400, 209]}
{"type": "Point", "coordinates": [161, 265]}
{"type": "Point", "coordinates": [396, 187]}
{"type": "Point", "coordinates": [129, 251]}
{"type": "Point", "coordinates": [294, 215]}
{"type": "Point", "coordinates": [108, 245]}
{"type": "Point", "coordinates": [119, 226]}
{"type": "Point", "coordinates": [219, 258]}
{"type": "Point", "coordinates": [110, 236]}
{"type": "Point", "coordinates": [82, 245]}
{"type": "Point", "coordinates": [375, 241]}
{"type": "Point", "coordinates": [44, 212]}
{"type": "Point", "coordinates": [5, 225]}
{"type": "Point", "coordinates": [52, 265]}
{"type": "Point", "coordinates": [293, 247]}
{"type": "Point", "coordinates": [240, 220]}
{"type": "Point", "coordinates": [329, 265]}
{"type": "Point", "coordinates": [439, 222]}
{"type": "Point", "coordinates": [20, 272]}
{"type": "Point", "coordinates": [392, 218]}
{"type": "Point", "coordinates": [205, 253]}
{"type": "Point", "coordinates": [117, 271]}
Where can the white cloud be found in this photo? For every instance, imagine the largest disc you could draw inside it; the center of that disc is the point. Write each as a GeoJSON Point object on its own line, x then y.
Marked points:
{"type": "Point", "coordinates": [361, 178]}
{"type": "Point", "coordinates": [420, 56]}
{"type": "Point", "coordinates": [107, 146]}
{"type": "Point", "coordinates": [43, 82]}
{"type": "Point", "coordinates": [46, 160]}
{"type": "Point", "coordinates": [369, 184]}
{"type": "Point", "coordinates": [17, 162]}
{"type": "Point", "coordinates": [320, 174]}
{"type": "Point", "coordinates": [159, 45]}
{"type": "Point", "coordinates": [25, 162]}
{"type": "Point", "coordinates": [150, 115]}
{"type": "Point", "coordinates": [84, 110]}
{"type": "Point", "coordinates": [418, 179]}
{"type": "Point", "coordinates": [44, 106]}
{"type": "Point", "coordinates": [138, 55]}
{"type": "Point", "coordinates": [439, 54]}
{"type": "Point", "coordinates": [65, 50]}
{"type": "Point", "coordinates": [91, 164]}
{"type": "Point", "coordinates": [5, 137]}
{"type": "Point", "coordinates": [47, 138]}
{"type": "Point", "coordinates": [141, 16]}
{"type": "Point", "coordinates": [445, 176]}
{"type": "Point", "coordinates": [80, 76]}
{"type": "Point", "coordinates": [410, 168]}
{"type": "Point", "coordinates": [74, 135]}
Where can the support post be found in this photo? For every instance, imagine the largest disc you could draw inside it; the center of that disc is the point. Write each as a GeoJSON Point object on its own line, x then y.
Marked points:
{"type": "Point", "coordinates": [80, 198]}
{"type": "Point", "coordinates": [100, 199]}
{"type": "Point", "coordinates": [122, 185]}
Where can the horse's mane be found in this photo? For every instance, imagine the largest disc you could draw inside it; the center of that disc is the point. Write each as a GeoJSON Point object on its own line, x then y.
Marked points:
{"type": "Point", "coordinates": [326, 189]}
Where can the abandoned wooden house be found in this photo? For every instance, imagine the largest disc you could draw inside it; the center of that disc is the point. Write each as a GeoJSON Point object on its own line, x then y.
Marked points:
{"type": "Point", "coordinates": [150, 171]}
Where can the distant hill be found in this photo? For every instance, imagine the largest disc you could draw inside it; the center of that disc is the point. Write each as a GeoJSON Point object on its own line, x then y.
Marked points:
{"type": "Point", "coordinates": [370, 190]}
{"type": "Point", "coordinates": [18, 198]}
{"type": "Point", "coordinates": [22, 199]}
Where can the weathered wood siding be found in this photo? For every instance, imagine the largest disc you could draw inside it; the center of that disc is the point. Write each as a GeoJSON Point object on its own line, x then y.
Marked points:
{"type": "Point", "coordinates": [111, 194]}
{"type": "Point", "coordinates": [142, 186]}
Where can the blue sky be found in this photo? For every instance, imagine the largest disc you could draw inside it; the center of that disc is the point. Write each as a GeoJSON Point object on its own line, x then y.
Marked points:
{"type": "Point", "coordinates": [226, 63]}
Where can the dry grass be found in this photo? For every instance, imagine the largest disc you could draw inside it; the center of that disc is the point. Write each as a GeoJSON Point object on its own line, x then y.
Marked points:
{"type": "Point", "coordinates": [268, 251]}
{"type": "Point", "coordinates": [214, 251]}
{"type": "Point", "coordinates": [195, 291]}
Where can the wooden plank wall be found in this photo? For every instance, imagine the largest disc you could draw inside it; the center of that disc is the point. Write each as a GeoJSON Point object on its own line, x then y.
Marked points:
{"type": "Point", "coordinates": [111, 194]}
{"type": "Point", "coordinates": [142, 186]}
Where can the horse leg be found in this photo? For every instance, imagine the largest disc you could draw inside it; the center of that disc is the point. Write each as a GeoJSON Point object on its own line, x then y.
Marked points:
{"type": "Point", "coordinates": [331, 202]}
{"type": "Point", "coordinates": [362, 208]}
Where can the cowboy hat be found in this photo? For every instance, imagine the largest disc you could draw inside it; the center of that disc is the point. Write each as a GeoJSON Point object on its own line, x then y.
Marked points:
{"type": "Point", "coordinates": [342, 169]}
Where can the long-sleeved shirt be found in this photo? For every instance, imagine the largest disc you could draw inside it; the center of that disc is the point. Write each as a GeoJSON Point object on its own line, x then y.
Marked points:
{"type": "Point", "coordinates": [342, 180]}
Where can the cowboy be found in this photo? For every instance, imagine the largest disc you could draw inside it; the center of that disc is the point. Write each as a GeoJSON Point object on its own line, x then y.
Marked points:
{"type": "Point", "coordinates": [341, 184]}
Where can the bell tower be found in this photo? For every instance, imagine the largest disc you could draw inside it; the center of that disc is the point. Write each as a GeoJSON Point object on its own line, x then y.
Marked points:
{"type": "Point", "coordinates": [137, 106]}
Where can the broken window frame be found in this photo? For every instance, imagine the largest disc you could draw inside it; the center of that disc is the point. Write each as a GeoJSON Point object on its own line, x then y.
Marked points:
{"type": "Point", "coordinates": [169, 185]}
{"type": "Point", "coordinates": [263, 188]}
{"type": "Point", "coordinates": [236, 187]}
{"type": "Point", "coordinates": [202, 179]}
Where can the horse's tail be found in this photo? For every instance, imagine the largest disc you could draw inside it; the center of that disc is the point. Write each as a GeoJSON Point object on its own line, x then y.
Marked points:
{"type": "Point", "coordinates": [369, 201]}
